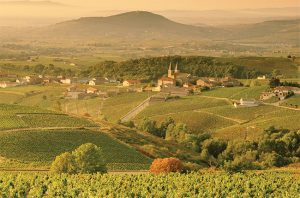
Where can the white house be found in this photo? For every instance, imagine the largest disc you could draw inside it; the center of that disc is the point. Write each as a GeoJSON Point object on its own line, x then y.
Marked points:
{"type": "Point", "coordinates": [248, 103]}
{"type": "Point", "coordinates": [66, 81]}
{"type": "Point", "coordinates": [262, 77]}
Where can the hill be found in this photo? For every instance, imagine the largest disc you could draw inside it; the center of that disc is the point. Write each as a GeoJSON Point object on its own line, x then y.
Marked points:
{"type": "Point", "coordinates": [130, 25]}
{"type": "Point", "coordinates": [275, 31]}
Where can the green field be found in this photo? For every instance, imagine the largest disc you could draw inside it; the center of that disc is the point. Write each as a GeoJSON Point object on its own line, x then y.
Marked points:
{"type": "Point", "coordinates": [198, 184]}
{"type": "Point", "coordinates": [40, 147]}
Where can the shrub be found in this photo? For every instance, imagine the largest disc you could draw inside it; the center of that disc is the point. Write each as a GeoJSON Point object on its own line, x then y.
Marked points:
{"type": "Point", "coordinates": [166, 165]}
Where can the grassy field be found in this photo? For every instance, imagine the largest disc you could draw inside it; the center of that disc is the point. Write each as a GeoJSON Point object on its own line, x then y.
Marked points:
{"type": "Point", "coordinates": [40, 147]}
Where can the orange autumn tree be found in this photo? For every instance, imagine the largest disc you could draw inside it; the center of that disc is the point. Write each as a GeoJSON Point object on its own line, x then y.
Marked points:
{"type": "Point", "coordinates": [166, 165]}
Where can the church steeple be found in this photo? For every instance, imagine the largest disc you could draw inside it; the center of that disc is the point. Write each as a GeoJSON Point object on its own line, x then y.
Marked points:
{"type": "Point", "coordinates": [170, 73]}
{"type": "Point", "coordinates": [176, 69]}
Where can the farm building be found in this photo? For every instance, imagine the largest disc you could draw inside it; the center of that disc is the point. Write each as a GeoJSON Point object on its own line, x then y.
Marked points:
{"type": "Point", "coordinates": [262, 77]}
{"type": "Point", "coordinates": [283, 92]}
{"type": "Point", "coordinates": [127, 83]}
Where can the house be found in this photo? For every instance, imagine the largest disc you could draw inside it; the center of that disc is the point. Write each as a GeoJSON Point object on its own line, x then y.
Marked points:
{"type": "Point", "coordinates": [248, 103]}
{"type": "Point", "coordinates": [206, 82]}
{"type": "Point", "coordinates": [91, 90]}
{"type": "Point", "coordinates": [156, 89]}
{"type": "Point", "coordinates": [6, 84]}
{"type": "Point", "coordinates": [267, 95]}
{"type": "Point", "coordinates": [66, 81]}
{"type": "Point", "coordinates": [128, 83]}
{"type": "Point", "coordinates": [74, 92]}
{"type": "Point", "coordinates": [166, 81]}
{"type": "Point", "coordinates": [261, 77]}
{"type": "Point", "coordinates": [283, 92]}
{"type": "Point", "coordinates": [188, 85]}
{"type": "Point", "coordinates": [98, 81]}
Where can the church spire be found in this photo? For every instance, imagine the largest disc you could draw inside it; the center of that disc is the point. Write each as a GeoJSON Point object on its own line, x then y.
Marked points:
{"type": "Point", "coordinates": [170, 66]}
{"type": "Point", "coordinates": [176, 68]}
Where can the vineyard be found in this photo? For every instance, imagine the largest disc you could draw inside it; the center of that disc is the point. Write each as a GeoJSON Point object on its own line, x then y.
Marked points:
{"type": "Point", "coordinates": [215, 184]}
{"type": "Point", "coordinates": [41, 147]}
{"type": "Point", "coordinates": [15, 116]}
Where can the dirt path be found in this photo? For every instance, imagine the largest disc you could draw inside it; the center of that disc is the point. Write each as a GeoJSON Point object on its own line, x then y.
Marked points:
{"type": "Point", "coordinates": [227, 118]}
{"type": "Point", "coordinates": [45, 128]}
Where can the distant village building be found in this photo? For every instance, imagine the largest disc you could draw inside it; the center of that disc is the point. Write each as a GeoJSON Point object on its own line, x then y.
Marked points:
{"type": "Point", "coordinates": [66, 81]}
{"type": "Point", "coordinates": [91, 90]}
{"type": "Point", "coordinates": [173, 78]}
{"type": "Point", "coordinates": [127, 83]}
{"type": "Point", "coordinates": [262, 77]}
{"type": "Point", "coordinates": [248, 103]}
{"type": "Point", "coordinates": [74, 92]}
{"type": "Point", "coordinates": [98, 81]}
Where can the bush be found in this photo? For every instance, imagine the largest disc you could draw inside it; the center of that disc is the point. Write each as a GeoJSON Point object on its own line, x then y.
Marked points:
{"type": "Point", "coordinates": [88, 158]}
{"type": "Point", "coordinates": [166, 165]}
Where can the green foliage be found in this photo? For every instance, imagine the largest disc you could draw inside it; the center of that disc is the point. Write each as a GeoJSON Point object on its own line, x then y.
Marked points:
{"type": "Point", "coordinates": [153, 68]}
{"type": "Point", "coordinates": [177, 132]}
{"type": "Point", "coordinates": [89, 159]}
{"type": "Point", "coordinates": [64, 163]}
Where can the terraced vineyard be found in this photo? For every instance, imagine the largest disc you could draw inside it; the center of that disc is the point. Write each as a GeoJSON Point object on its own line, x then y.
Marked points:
{"type": "Point", "coordinates": [40, 148]}
{"type": "Point", "coordinates": [15, 116]}
{"type": "Point", "coordinates": [216, 184]}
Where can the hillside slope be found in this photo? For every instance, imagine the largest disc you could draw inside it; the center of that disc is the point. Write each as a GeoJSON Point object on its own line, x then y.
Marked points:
{"type": "Point", "coordinates": [138, 24]}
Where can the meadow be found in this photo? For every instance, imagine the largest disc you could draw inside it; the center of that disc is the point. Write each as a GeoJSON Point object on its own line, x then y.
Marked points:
{"type": "Point", "coordinates": [197, 184]}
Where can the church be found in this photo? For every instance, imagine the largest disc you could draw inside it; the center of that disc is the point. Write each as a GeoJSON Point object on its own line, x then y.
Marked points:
{"type": "Point", "coordinates": [174, 78]}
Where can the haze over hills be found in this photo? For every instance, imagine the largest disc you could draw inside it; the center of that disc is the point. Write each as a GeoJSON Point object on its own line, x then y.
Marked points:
{"type": "Point", "coordinates": [147, 25]}
{"type": "Point", "coordinates": [137, 24]}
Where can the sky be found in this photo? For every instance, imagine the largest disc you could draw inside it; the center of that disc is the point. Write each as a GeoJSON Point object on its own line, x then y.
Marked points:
{"type": "Point", "coordinates": [177, 4]}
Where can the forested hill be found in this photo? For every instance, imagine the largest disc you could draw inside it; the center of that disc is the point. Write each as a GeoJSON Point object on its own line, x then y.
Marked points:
{"type": "Point", "coordinates": [153, 68]}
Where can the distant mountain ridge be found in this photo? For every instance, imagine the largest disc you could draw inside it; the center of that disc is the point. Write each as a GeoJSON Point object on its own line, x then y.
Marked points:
{"type": "Point", "coordinates": [130, 24]}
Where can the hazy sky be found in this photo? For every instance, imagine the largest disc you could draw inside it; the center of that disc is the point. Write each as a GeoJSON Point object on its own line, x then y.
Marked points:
{"type": "Point", "coordinates": [177, 4]}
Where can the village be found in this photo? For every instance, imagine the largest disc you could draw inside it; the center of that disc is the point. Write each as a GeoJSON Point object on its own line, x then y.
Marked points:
{"type": "Point", "coordinates": [173, 84]}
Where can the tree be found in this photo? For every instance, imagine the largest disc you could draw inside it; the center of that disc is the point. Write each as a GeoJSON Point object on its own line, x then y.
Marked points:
{"type": "Point", "coordinates": [89, 159]}
{"type": "Point", "coordinates": [166, 165]}
{"type": "Point", "coordinates": [148, 126]}
{"type": "Point", "coordinates": [64, 163]}
{"type": "Point", "coordinates": [164, 126]}
{"type": "Point", "coordinates": [275, 73]}
{"type": "Point", "coordinates": [177, 132]}
{"type": "Point", "coordinates": [274, 82]}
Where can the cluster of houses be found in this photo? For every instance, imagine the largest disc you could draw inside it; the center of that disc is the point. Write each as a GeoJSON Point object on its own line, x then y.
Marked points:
{"type": "Point", "coordinates": [176, 83]}
{"type": "Point", "coordinates": [40, 79]}
{"type": "Point", "coordinates": [281, 93]}
{"type": "Point", "coordinates": [77, 92]}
